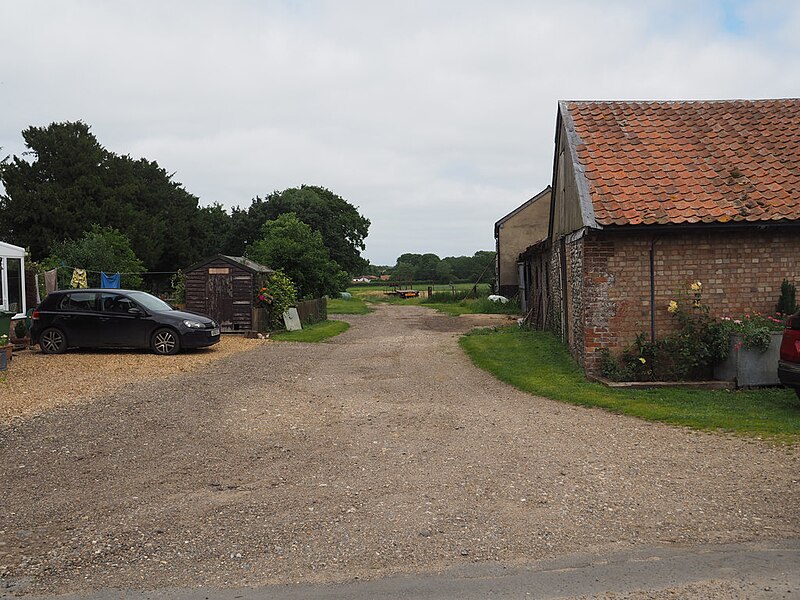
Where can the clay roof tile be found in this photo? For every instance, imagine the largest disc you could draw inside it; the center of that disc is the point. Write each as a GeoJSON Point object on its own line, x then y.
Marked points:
{"type": "Point", "coordinates": [709, 161]}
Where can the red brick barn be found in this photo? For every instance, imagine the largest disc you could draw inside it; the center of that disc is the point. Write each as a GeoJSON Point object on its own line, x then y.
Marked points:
{"type": "Point", "coordinates": [651, 196]}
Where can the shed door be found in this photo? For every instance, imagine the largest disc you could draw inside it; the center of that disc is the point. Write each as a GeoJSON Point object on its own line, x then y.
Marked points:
{"type": "Point", "coordinates": [219, 295]}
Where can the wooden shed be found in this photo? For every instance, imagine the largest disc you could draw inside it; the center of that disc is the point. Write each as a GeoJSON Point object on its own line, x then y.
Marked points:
{"type": "Point", "coordinates": [224, 288]}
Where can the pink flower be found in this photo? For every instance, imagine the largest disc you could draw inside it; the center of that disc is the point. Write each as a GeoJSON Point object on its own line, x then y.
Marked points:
{"type": "Point", "coordinates": [738, 346]}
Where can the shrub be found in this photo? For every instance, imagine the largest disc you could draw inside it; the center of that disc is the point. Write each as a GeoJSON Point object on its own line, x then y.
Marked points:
{"type": "Point", "coordinates": [100, 249]}
{"type": "Point", "coordinates": [688, 353]}
{"type": "Point", "coordinates": [787, 302]}
{"type": "Point", "coordinates": [276, 296]}
{"type": "Point", "coordinates": [20, 329]}
{"type": "Point", "coordinates": [178, 282]}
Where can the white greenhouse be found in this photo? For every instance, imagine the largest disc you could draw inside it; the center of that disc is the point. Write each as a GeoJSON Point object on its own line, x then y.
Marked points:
{"type": "Point", "coordinates": [12, 280]}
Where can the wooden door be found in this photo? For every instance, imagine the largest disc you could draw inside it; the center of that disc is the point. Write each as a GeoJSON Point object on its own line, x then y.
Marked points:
{"type": "Point", "coordinates": [219, 297]}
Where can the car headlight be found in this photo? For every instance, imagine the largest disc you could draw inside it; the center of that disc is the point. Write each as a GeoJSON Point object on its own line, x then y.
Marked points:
{"type": "Point", "coordinates": [193, 324]}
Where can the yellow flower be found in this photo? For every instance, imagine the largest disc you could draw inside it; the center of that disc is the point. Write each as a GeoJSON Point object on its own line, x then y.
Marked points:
{"type": "Point", "coordinates": [697, 286]}
{"type": "Point", "coordinates": [642, 359]}
{"type": "Point", "coordinates": [673, 306]}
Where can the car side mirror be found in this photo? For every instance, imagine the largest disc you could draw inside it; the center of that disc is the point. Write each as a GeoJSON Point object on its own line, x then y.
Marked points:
{"type": "Point", "coordinates": [135, 311]}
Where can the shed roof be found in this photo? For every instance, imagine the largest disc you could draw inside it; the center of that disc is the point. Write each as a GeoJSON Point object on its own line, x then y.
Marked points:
{"type": "Point", "coordinates": [655, 163]}
{"type": "Point", "coordinates": [241, 261]}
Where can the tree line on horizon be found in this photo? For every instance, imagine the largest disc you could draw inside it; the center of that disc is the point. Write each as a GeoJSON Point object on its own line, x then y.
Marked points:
{"type": "Point", "coordinates": [480, 267]}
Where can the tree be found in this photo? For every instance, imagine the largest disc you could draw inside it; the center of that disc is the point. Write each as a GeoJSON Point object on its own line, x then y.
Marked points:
{"type": "Point", "coordinates": [99, 249]}
{"type": "Point", "coordinates": [57, 195]}
{"type": "Point", "coordinates": [409, 259]}
{"type": "Point", "coordinates": [403, 271]}
{"type": "Point", "coordinates": [444, 272]}
{"type": "Point", "coordinates": [293, 247]}
{"type": "Point", "coordinates": [341, 226]}
{"type": "Point", "coordinates": [426, 267]}
{"type": "Point", "coordinates": [72, 182]}
{"type": "Point", "coordinates": [210, 230]}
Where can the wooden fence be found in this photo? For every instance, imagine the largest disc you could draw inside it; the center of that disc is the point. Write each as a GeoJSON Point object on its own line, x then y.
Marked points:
{"type": "Point", "coordinates": [313, 311]}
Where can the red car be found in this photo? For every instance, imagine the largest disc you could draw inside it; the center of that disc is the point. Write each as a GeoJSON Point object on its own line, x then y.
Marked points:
{"type": "Point", "coordinates": [789, 363]}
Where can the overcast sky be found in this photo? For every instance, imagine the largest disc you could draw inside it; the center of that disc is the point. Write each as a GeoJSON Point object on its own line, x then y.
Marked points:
{"type": "Point", "coordinates": [435, 118]}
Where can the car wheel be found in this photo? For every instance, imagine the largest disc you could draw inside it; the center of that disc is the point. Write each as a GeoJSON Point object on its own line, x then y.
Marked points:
{"type": "Point", "coordinates": [52, 341]}
{"type": "Point", "coordinates": [165, 341]}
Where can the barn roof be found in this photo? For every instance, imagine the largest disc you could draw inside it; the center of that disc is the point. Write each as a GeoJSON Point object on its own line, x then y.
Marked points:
{"type": "Point", "coordinates": [656, 163]}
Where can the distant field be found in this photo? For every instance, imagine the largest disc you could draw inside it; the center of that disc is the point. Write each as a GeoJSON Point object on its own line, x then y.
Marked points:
{"type": "Point", "coordinates": [371, 291]}
{"type": "Point", "coordinates": [480, 305]}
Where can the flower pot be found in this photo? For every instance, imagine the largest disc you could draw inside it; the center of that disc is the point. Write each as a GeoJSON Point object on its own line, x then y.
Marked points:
{"type": "Point", "coordinates": [5, 356]}
{"type": "Point", "coordinates": [748, 367]}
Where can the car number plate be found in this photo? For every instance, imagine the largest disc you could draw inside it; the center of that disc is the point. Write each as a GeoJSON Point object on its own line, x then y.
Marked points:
{"type": "Point", "coordinates": [215, 331]}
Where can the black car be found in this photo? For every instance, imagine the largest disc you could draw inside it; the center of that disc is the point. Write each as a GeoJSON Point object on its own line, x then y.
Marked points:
{"type": "Point", "coordinates": [104, 318]}
{"type": "Point", "coordinates": [789, 363]}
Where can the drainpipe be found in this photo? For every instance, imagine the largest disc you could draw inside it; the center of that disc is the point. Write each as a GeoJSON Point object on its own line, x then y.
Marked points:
{"type": "Point", "coordinates": [653, 289]}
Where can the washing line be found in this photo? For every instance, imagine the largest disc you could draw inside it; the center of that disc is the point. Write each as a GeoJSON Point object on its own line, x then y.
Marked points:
{"type": "Point", "coordinates": [121, 273]}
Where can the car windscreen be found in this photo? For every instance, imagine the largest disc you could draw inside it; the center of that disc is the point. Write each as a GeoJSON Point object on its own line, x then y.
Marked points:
{"type": "Point", "coordinates": [149, 302]}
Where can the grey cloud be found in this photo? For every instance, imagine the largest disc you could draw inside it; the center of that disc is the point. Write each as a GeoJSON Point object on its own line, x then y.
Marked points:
{"type": "Point", "coordinates": [436, 118]}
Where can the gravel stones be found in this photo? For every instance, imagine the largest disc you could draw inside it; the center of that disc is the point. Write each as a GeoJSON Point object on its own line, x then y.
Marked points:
{"type": "Point", "coordinates": [381, 451]}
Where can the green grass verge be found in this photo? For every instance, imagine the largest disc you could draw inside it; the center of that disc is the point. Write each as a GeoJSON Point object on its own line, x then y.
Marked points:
{"type": "Point", "coordinates": [350, 306]}
{"type": "Point", "coordinates": [538, 363]}
{"type": "Point", "coordinates": [318, 332]}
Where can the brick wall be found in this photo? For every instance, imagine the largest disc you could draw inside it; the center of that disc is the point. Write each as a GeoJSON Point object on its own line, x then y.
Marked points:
{"type": "Point", "coordinates": [741, 271]}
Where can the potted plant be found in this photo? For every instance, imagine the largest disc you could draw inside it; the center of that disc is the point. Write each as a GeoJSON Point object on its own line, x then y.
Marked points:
{"type": "Point", "coordinates": [21, 333]}
{"type": "Point", "coordinates": [754, 347]}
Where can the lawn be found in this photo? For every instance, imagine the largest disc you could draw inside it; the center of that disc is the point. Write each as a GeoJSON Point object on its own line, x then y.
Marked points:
{"type": "Point", "coordinates": [536, 362]}
{"type": "Point", "coordinates": [318, 332]}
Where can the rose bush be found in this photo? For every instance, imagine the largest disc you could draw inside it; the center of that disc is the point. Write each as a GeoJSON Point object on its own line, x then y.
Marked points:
{"type": "Point", "coordinates": [690, 352]}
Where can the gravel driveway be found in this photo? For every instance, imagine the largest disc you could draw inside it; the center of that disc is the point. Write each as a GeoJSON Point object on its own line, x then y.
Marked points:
{"type": "Point", "coordinates": [382, 451]}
